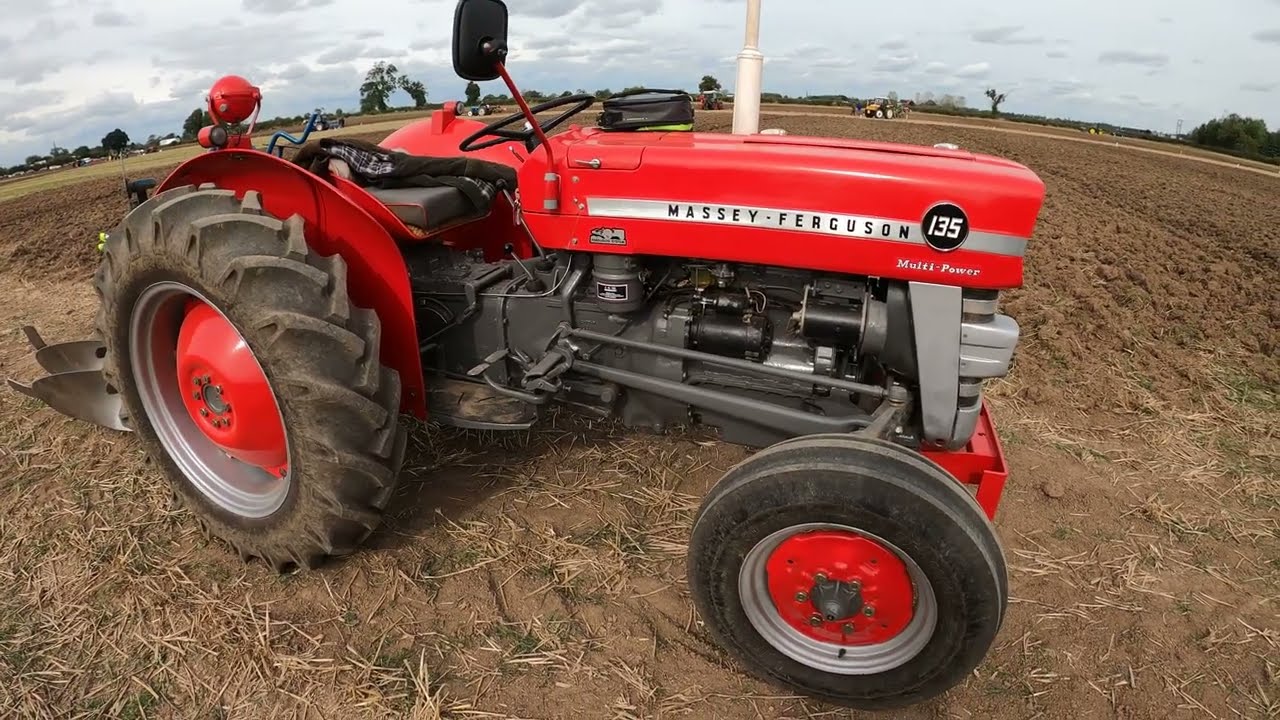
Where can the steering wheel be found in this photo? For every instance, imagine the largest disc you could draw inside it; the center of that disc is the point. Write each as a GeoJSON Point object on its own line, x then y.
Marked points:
{"type": "Point", "coordinates": [502, 135]}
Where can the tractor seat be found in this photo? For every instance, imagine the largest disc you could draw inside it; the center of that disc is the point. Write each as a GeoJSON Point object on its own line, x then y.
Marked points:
{"type": "Point", "coordinates": [429, 208]}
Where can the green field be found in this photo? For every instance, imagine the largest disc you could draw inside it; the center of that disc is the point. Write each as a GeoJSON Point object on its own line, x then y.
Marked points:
{"type": "Point", "coordinates": [37, 182]}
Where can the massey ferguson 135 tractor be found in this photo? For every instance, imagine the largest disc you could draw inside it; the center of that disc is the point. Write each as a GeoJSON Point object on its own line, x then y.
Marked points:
{"type": "Point", "coordinates": [266, 322]}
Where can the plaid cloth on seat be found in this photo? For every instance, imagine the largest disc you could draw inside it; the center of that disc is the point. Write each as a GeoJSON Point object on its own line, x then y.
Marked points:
{"type": "Point", "coordinates": [372, 165]}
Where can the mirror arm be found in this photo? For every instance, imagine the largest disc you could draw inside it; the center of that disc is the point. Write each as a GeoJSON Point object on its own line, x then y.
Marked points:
{"type": "Point", "coordinates": [528, 114]}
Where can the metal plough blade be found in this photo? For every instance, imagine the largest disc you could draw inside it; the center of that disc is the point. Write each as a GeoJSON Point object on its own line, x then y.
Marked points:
{"type": "Point", "coordinates": [75, 385]}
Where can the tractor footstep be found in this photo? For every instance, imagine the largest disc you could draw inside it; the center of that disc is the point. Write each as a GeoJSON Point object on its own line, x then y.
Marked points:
{"type": "Point", "coordinates": [477, 406]}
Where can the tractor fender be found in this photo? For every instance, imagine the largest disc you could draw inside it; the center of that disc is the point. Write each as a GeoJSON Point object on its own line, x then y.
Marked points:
{"type": "Point", "coordinates": [377, 278]}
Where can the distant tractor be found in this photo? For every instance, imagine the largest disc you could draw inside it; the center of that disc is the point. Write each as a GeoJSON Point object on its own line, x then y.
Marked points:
{"type": "Point", "coordinates": [329, 122]}
{"type": "Point", "coordinates": [711, 100]}
{"type": "Point", "coordinates": [483, 109]}
{"type": "Point", "coordinates": [881, 107]}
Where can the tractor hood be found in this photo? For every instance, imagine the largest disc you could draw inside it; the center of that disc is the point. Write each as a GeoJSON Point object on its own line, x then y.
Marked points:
{"type": "Point", "coordinates": [799, 182]}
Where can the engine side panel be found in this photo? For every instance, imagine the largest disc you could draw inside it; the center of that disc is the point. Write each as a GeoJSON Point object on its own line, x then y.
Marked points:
{"type": "Point", "coordinates": [822, 204]}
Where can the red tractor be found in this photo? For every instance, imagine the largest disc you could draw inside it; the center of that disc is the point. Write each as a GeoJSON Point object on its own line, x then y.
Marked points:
{"type": "Point", "coordinates": [265, 322]}
{"type": "Point", "coordinates": [711, 100]}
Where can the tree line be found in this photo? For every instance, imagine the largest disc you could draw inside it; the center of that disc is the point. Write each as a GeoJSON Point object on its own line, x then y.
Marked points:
{"type": "Point", "coordinates": [1238, 135]}
{"type": "Point", "coordinates": [1234, 134]}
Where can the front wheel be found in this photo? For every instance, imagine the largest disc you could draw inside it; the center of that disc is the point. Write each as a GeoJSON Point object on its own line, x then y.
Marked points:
{"type": "Point", "coordinates": [848, 569]}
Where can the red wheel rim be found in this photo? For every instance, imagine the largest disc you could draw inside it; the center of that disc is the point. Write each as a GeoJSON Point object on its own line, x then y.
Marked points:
{"type": "Point", "coordinates": [226, 393]}
{"type": "Point", "coordinates": [177, 339]}
{"type": "Point", "coordinates": [840, 587]}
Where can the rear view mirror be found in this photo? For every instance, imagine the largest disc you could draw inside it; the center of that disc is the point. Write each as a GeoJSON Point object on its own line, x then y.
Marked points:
{"type": "Point", "coordinates": [479, 38]}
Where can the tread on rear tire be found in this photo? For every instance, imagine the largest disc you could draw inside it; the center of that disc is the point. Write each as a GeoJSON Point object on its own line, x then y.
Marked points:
{"type": "Point", "coordinates": [318, 351]}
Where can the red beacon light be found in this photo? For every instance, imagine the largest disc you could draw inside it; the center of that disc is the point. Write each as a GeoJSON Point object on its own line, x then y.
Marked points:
{"type": "Point", "coordinates": [232, 100]}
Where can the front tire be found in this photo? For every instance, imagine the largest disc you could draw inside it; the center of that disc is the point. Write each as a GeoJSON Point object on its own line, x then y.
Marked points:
{"type": "Point", "coordinates": [249, 376]}
{"type": "Point", "coordinates": [848, 569]}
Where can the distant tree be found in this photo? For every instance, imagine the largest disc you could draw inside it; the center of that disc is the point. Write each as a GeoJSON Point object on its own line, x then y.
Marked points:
{"type": "Point", "coordinates": [197, 120]}
{"type": "Point", "coordinates": [633, 88]}
{"type": "Point", "coordinates": [116, 140]}
{"type": "Point", "coordinates": [1234, 132]}
{"type": "Point", "coordinates": [566, 93]}
{"type": "Point", "coordinates": [996, 98]}
{"type": "Point", "coordinates": [473, 93]}
{"type": "Point", "coordinates": [602, 94]}
{"type": "Point", "coordinates": [35, 159]}
{"type": "Point", "coordinates": [708, 83]}
{"type": "Point", "coordinates": [381, 80]}
{"type": "Point", "coordinates": [82, 152]}
{"type": "Point", "coordinates": [416, 90]}
{"type": "Point", "coordinates": [1272, 146]}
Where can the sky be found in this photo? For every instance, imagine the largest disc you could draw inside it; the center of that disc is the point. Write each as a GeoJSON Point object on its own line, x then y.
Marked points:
{"type": "Point", "coordinates": [75, 69]}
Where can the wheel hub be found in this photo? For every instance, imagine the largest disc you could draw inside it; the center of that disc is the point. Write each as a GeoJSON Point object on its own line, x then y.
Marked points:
{"type": "Point", "coordinates": [836, 600]}
{"type": "Point", "coordinates": [228, 396]}
{"type": "Point", "coordinates": [840, 587]}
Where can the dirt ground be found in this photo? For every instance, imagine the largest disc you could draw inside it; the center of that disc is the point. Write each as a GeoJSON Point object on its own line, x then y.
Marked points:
{"type": "Point", "coordinates": [540, 575]}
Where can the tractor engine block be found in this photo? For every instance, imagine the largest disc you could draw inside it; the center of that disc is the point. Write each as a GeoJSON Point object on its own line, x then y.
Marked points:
{"type": "Point", "coordinates": [618, 334]}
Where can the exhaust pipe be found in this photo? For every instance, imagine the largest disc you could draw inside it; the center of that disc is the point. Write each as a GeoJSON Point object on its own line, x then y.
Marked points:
{"type": "Point", "coordinates": [75, 385]}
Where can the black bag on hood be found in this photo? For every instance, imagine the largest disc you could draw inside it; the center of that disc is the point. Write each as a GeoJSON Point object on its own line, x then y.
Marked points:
{"type": "Point", "coordinates": [646, 109]}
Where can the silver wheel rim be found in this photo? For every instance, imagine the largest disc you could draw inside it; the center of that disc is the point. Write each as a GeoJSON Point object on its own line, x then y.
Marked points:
{"type": "Point", "coordinates": [229, 483]}
{"type": "Point", "coordinates": [757, 603]}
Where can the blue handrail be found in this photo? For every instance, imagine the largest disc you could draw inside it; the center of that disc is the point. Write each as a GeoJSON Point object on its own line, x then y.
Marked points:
{"type": "Point", "coordinates": [306, 131]}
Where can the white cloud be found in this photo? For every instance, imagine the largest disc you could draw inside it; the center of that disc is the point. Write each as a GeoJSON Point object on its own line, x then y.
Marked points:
{"type": "Point", "coordinates": [1005, 35]}
{"type": "Point", "coordinates": [974, 70]}
{"type": "Point", "coordinates": [1133, 57]}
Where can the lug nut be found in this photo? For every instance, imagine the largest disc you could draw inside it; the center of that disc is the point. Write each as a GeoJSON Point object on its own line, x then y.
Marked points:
{"type": "Point", "coordinates": [847, 627]}
{"type": "Point", "coordinates": [820, 577]}
{"type": "Point", "coordinates": [196, 381]}
{"type": "Point", "coordinates": [855, 585]}
{"type": "Point", "coordinates": [195, 395]}
{"type": "Point", "coordinates": [868, 611]}
{"type": "Point", "coordinates": [801, 597]}
{"type": "Point", "coordinates": [815, 620]}
{"type": "Point", "coordinates": [204, 412]}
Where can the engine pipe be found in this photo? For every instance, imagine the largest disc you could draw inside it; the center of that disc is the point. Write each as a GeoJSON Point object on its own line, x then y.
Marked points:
{"type": "Point", "coordinates": [764, 414]}
{"type": "Point", "coordinates": [874, 391]}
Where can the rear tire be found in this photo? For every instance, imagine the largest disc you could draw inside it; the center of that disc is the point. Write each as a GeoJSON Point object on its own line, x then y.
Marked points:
{"type": "Point", "coordinates": [871, 496]}
{"type": "Point", "coordinates": [319, 354]}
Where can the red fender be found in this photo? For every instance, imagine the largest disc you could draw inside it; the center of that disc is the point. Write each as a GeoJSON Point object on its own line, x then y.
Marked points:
{"type": "Point", "coordinates": [376, 273]}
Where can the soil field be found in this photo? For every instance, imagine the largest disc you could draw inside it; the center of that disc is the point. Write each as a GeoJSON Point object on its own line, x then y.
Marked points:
{"type": "Point", "coordinates": [541, 574]}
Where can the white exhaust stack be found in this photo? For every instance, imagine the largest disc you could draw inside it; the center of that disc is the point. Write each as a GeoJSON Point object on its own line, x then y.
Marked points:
{"type": "Point", "coordinates": [746, 94]}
